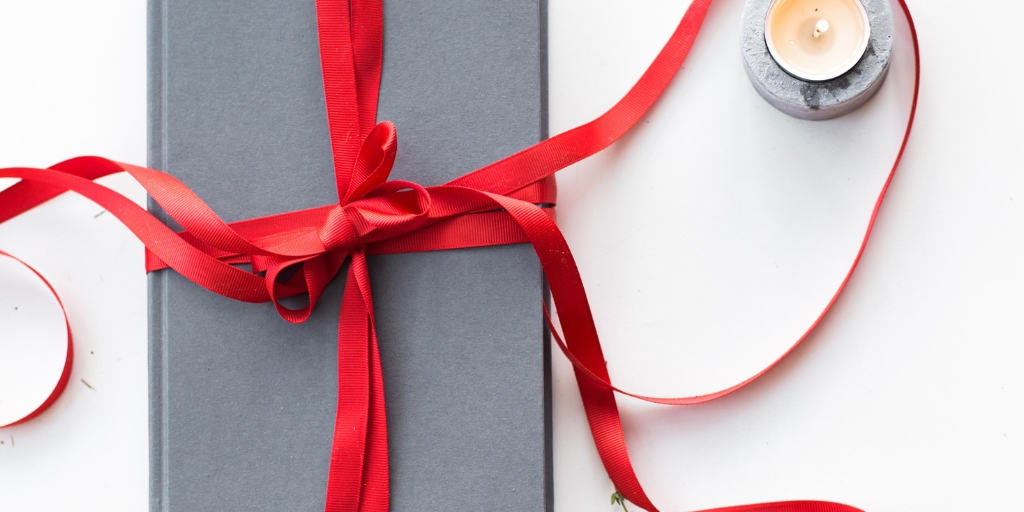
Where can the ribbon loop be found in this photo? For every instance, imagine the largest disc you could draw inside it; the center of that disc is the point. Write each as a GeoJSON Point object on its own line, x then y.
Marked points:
{"type": "Point", "coordinates": [374, 163]}
{"type": "Point", "coordinates": [372, 208]}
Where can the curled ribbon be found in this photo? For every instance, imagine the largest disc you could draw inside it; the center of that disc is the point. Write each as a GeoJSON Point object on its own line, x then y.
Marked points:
{"type": "Point", "coordinates": [299, 253]}
{"type": "Point", "coordinates": [65, 373]}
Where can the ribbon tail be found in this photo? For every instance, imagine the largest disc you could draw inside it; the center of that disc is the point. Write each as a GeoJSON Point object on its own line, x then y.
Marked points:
{"type": "Point", "coordinates": [591, 373]}
{"type": "Point", "coordinates": [571, 301]}
{"type": "Point", "coordinates": [790, 506]}
{"type": "Point", "coordinates": [351, 38]}
{"type": "Point", "coordinates": [27, 194]}
{"type": "Point", "coordinates": [358, 475]}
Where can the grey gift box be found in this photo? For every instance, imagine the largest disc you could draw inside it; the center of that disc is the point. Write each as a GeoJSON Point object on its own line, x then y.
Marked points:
{"type": "Point", "coordinates": [242, 403]}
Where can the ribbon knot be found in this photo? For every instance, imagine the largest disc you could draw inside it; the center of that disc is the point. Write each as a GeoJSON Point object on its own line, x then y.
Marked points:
{"type": "Point", "coordinates": [338, 233]}
{"type": "Point", "coordinates": [371, 208]}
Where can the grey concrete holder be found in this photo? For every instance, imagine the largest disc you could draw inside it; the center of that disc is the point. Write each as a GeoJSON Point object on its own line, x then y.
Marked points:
{"type": "Point", "coordinates": [817, 100]}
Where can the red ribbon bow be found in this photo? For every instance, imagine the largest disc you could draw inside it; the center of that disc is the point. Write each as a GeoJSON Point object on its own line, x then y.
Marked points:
{"type": "Point", "coordinates": [298, 253]}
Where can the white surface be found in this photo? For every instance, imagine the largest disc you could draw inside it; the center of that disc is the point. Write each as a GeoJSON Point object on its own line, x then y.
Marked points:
{"type": "Point", "coordinates": [712, 236]}
{"type": "Point", "coordinates": [33, 342]}
{"type": "Point", "coordinates": [708, 240]}
{"type": "Point", "coordinates": [74, 82]}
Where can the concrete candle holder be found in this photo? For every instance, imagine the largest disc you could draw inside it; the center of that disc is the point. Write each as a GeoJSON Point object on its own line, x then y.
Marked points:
{"type": "Point", "coordinates": [817, 100]}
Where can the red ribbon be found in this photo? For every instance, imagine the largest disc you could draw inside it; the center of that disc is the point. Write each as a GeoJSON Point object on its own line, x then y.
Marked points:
{"type": "Point", "coordinates": [298, 253]}
{"type": "Point", "coordinates": [65, 373]}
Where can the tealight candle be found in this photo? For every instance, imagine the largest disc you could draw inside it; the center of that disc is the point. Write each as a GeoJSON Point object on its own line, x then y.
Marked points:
{"type": "Point", "coordinates": [817, 40]}
{"type": "Point", "coordinates": [817, 59]}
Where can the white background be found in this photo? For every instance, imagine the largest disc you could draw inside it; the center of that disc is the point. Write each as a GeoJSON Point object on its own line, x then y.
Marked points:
{"type": "Point", "coordinates": [708, 239]}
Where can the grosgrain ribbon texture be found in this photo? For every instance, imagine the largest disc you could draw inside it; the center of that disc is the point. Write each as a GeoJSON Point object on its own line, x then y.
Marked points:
{"type": "Point", "coordinates": [299, 253]}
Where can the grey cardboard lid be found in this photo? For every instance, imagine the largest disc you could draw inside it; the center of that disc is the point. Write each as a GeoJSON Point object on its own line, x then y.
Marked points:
{"type": "Point", "coordinates": [242, 403]}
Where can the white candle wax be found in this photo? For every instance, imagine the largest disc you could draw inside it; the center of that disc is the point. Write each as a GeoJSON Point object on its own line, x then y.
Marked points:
{"type": "Point", "coordinates": [817, 40]}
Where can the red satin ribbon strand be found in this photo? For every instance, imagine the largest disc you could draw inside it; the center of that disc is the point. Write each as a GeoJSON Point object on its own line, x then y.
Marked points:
{"type": "Point", "coordinates": [184, 258]}
{"type": "Point", "coordinates": [491, 206]}
{"type": "Point", "coordinates": [25, 195]}
{"type": "Point", "coordinates": [65, 373]}
{"type": "Point", "coordinates": [584, 350]}
{"type": "Point", "coordinates": [548, 157]}
{"type": "Point", "coordinates": [789, 506]}
{"type": "Point", "coordinates": [358, 477]}
{"type": "Point", "coordinates": [351, 46]}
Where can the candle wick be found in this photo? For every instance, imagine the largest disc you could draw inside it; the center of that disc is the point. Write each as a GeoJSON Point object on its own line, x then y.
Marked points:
{"type": "Point", "coordinates": [820, 28]}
